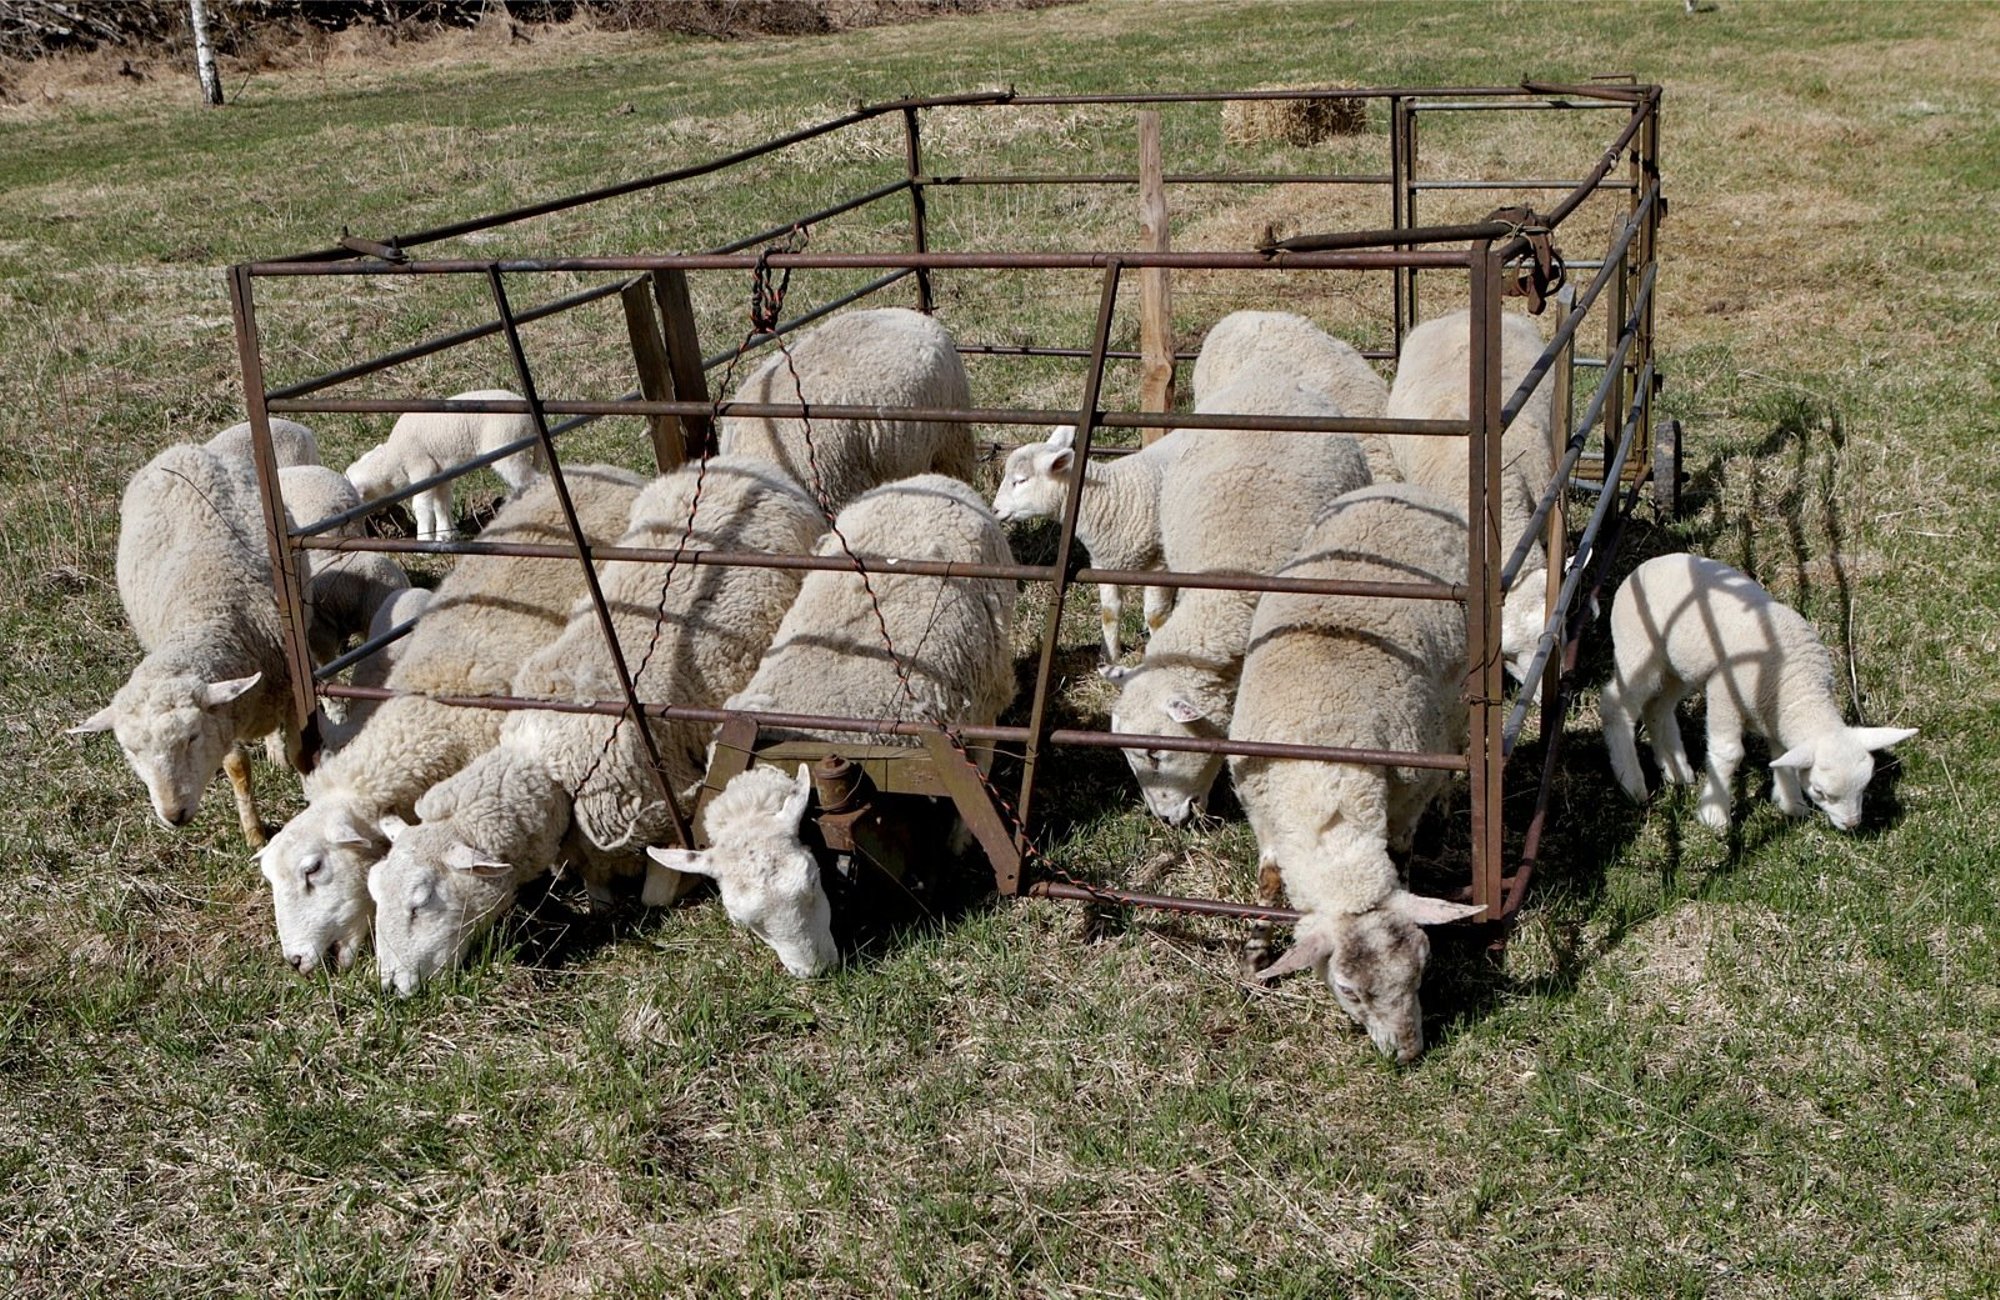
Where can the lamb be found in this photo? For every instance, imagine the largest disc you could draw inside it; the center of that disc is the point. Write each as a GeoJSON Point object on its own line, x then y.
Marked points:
{"type": "Point", "coordinates": [1362, 673]}
{"type": "Point", "coordinates": [1280, 344]}
{"type": "Point", "coordinates": [1118, 520]}
{"type": "Point", "coordinates": [885, 356]}
{"type": "Point", "coordinates": [488, 615]}
{"type": "Point", "coordinates": [435, 891]}
{"type": "Point", "coordinates": [423, 443]}
{"type": "Point", "coordinates": [196, 587]}
{"type": "Point", "coordinates": [950, 664]}
{"type": "Point", "coordinates": [1683, 625]}
{"type": "Point", "coordinates": [1432, 383]}
{"type": "Point", "coordinates": [1238, 503]}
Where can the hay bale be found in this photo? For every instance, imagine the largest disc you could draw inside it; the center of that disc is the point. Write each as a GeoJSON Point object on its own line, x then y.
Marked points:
{"type": "Point", "coordinates": [1247, 123]}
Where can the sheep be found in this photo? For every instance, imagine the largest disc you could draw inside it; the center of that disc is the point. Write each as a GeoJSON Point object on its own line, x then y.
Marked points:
{"type": "Point", "coordinates": [947, 660]}
{"type": "Point", "coordinates": [406, 605]}
{"type": "Point", "coordinates": [1432, 383]}
{"type": "Point", "coordinates": [885, 356]}
{"type": "Point", "coordinates": [423, 443]}
{"type": "Point", "coordinates": [1278, 343]}
{"type": "Point", "coordinates": [1237, 502]}
{"type": "Point", "coordinates": [1364, 673]}
{"type": "Point", "coordinates": [292, 443]}
{"type": "Point", "coordinates": [196, 587]}
{"type": "Point", "coordinates": [694, 642]}
{"type": "Point", "coordinates": [1118, 520]}
{"type": "Point", "coordinates": [348, 589]}
{"type": "Point", "coordinates": [1683, 625]}
{"type": "Point", "coordinates": [488, 615]}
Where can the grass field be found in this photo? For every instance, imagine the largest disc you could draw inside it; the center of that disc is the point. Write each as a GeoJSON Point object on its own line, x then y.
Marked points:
{"type": "Point", "coordinates": [1759, 1066]}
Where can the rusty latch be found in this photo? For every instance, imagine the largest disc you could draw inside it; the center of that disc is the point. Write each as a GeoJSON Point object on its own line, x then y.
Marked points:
{"type": "Point", "coordinates": [1544, 272]}
{"type": "Point", "coordinates": [370, 248]}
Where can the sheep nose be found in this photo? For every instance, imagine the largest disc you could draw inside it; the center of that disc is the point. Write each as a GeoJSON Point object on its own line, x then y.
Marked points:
{"type": "Point", "coordinates": [178, 817]}
{"type": "Point", "coordinates": [298, 961]}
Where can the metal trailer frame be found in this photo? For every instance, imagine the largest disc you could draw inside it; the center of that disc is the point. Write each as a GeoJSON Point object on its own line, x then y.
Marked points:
{"type": "Point", "coordinates": [1497, 256]}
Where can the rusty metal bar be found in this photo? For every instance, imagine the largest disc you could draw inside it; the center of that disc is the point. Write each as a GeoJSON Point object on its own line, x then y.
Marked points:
{"type": "Point", "coordinates": [1025, 350]}
{"type": "Point", "coordinates": [919, 240]}
{"type": "Point", "coordinates": [763, 237]}
{"type": "Point", "coordinates": [1399, 217]}
{"type": "Point", "coordinates": [1164, 902]}
{"type": "Point", "coordinates": [1307, 260]}
{"type": "Point", "coordinates": [1565, 186]}
{"type": "Point", "coordinates": [332, 668]}
{"type": "Point", "coordinates": [1086, 427]}
{"type": "Point", "coordinates": [1172, 178]}
{"type": "Point", "coordinates": [1232, 96]}
{"type": "Point", "coordinates": [525, 375]}
{"type": "Point", "coordinates": [1484, 687]}
{"type": "Point", "coordinates": [1516, 106]}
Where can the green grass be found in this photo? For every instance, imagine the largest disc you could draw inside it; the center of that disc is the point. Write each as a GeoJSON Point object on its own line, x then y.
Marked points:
{"type": "Point", "coordinates": [1754, 1066]}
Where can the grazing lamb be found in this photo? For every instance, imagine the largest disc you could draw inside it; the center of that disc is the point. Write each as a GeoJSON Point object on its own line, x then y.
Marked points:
{"type": "Point", "coordinates": [1280, 344]}
{"type": "Point", "coordinates": [1118, 520]}
{"type": "Point", "coordinates": [440, 884]}
{"type": "Point", "coordinates": [488, 615]}
{"type": "Point", "coordinates": [1236, 502]}
{"type": "Point", "coordinates": [423, 443]}
{"type": "Point", "coordinates": [1432, 378]}
{"type": "Point", "coordinates": [951, 663]}
{"type": "Point", "coordinates": [1360, 673]}
{"type": "Point", "coordinates": [885, 356]}
{"type": "Point", "coordinates": [1683, 625]}
{"type": "Point", "coordinates": [196, 586]}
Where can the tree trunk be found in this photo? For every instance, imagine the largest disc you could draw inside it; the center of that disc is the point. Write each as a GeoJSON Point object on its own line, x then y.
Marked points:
{"type": "Point", "coordinates": [204, 54]}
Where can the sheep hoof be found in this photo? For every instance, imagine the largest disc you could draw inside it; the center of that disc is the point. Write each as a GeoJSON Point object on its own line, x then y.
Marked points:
{"type": "Point", "coordinates": [1714, 816]}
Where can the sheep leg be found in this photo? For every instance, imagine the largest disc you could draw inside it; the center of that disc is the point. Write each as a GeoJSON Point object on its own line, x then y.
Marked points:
{"type": "Point", "coordinates": [1110, 608]}
{"type": "Point", "coordinates": [1665, 732]}
{"type": "Point", "coordinates": [1614, 705]}
{"type": "Point", "coordinates": [1725, 751]}
{"type": "Point", "coordinates": [1270, 893]}
{"type": "Point", "coordinates": [433, 512]}
{"type": "Point", "coordinates": [1159, 604]}
{"type": "Point", "coordinates": [1788, 793]}
{"type": "Point", "coordinates": [237, 765]}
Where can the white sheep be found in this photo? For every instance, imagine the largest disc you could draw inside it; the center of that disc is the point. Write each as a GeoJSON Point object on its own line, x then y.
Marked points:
{"type": "Point", "coordinates": [1683, 625]}
{"type": "Point", "coordinates": [1433, 377]}
{"type": "Point", "coordinates": [1236, 502]}
{"type": "Point", "coordinates": [292, 443]}
{"type": "Point", "coordinates": [395, 608]}
{"type": "Point", "coordinates": [1280, 344]}
{"type": "Point", "coordinates": [1363, 673]}
{"type": "Point", "coordinates": [488, 615]}
{"type": "Point", "coordinates": [947, 660]}
{"type": "Point", "coordinates": [1118, 520]}
{"type": "Point", "coordinates": [195, 582]}
{"type": "Point", "coordinates": [885, 356]}
{"type": "Point", "coordinates": [695, 643]}
{"type": "Point", "coordinates": [423, 443]}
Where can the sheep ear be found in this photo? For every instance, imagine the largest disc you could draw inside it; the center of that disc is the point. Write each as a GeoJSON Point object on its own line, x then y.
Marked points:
{"type": "Point", "coordinates": [1063, 435]}
{"type": "Point", "coordinates": [1797, 756]}
{"type": "Point", "coordinates": [794, 809]}
{"type": "Point", "coordinates": [692, 862]}
{"type": "Point", "coordinates": [1184, 711]}
{"type": "Point", "coordinates": [1882, 737]}
{"type": "Point", "coordinates": [1115, 672]}
{"type": "Point", "coordinates": [1056, 463]}
{"type": "Point", "coordinates": [214, 695]}
{"type": "Point", "coordinates": [391, 826]}
{"type": "Point", "coordinates": [463, 857]}
{"type": "Point", "coordinates": [1311, 945]}
{"type": "Point", "coordinates": [1430, 911]}
{"type": "Point", "coordinates": [98, 721]}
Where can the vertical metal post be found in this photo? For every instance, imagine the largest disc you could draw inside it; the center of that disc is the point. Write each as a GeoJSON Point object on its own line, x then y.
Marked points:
{"type": "Point", "coordinates": [1398, 218]}
{"type": "Point", "coordinates": [1484, 687]}
{"type": "Point", "coordinates": [1408, 188]}
{"type": "Point", "coordinates": [1645, 170]}
{"type": "Point", "coordinates": [656, 384]}
{"type": "Point", "coordinates": [1086, 424]}
{"type": "Point", "coordinates": [635, 711]}
{"type": "Point", "coordinates": [677, 327]}
{"type": "Point", "coordinates": [919, 236]}
{"type": "Point", "coordinates": [286, 583]}
{"type": "Point", "coordinates": [1615, 302]}
{"type": "Point", "coordinates": [1555, 537]}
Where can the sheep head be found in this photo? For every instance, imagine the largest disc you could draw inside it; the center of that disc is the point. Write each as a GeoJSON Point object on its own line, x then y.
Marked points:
{"type": "Point", "coordinates": [376, 473]}
{"type": "Point", "coordinates": [175, 732]}
{"type": "Point", "coordinates": [1838, 767]}
{"type": "Point", "coordinates": [317, 867]}
{"type": "Point", "coordinates": [1522, 615]}
{"type": "Point", "coordinates": [768, 879]}
{"type": "Point", "coordinates": [434, 894]}
{"type": "Point", "coordinates": [1167, 701]}
{"type": "Point", "coordinates": [1035, 481]}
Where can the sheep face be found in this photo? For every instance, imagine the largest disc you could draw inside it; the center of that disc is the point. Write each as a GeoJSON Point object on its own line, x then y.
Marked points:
{"type": "Point", "coordinates": [1837, 769]}
{"type": "Point", "coordinates": [768, 879]}
{"type": "Point", "coordinates": [377, 472]}
{"type": "Point", "coordinates": [318, 870]}
{"type": "Point", "coordinates": [175, 733]}
{"type": "Point", "coordinates": [1175, 782]}
{"type": "Point", "coordinates": [1035, 481]}
{"type": "Point", "coordinates": [1521, 619]}
{"type": "Point", "coordinates": [434, 894]}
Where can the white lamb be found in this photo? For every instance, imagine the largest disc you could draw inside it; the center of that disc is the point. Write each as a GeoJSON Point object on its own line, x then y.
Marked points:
{"type": "Point", "coordinates": [440, 884]}
{"type": "Point", "coordinates": [196, 586]}
{"type": "Point", "coordinates": [1362, 673]}
{"type": "Point", "coordinates": [1239, 503]}
{"type": "Point", "coordinates": [885, 356]}
{"type": "Point", "coordinates": [1684, 625]}
{"type": "Point", "coordinates": [1432, 383]}
{"type": "Point", "coordinates": [1118, 520]}
{"type": "Point", "coordinates": [488, 615]}
{"type": "Point", "coordinates": [423, 443]}
{"type": "Point", "coordinates": [1280, 344]}
{"type": "Point", "coordinates": [951, 663]}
